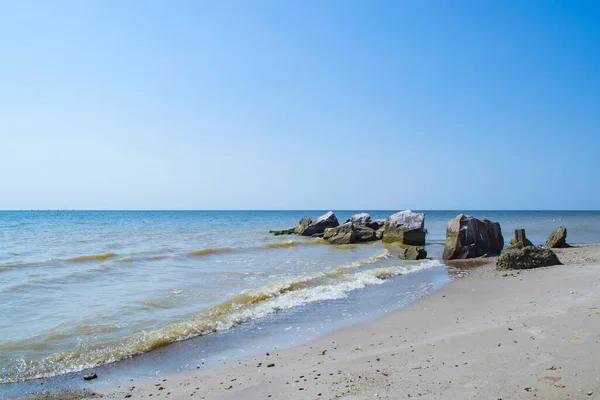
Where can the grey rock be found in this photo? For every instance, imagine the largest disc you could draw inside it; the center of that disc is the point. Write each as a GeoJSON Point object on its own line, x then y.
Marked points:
{"type": "Point", "coordinates": [328, 220]}
{"type": "Point", "coordinates": [91, 376]}
{"type": "Point", "coordinates": [342, 234]}
{"type": "Point", "coordinates": [469, 237]}
{"type": "Point", "coordinates": [557, 239]}
{"type": "Point", "coordinates": [406, 227]}
{"type": "Point", "coordinates": [349, 233]}
{"type": "Point", "coordinates": [376, 223]}
{"type": "Point", "coordinates": [526, 257]}
{"type": "Point", "coordinates": [412, 253]}
{"type": "Point", "coordinates": [302, 225]}
{"type": "Point", "coordinates": [362, 218]}
{"type": "Point", "coordinates": [363, 233]}
{"type": "Point", "coordinates": [284, 232]}
{"type": "Point", "coordinates": [298, 229]}
{"type": "Point", "coordinates": [379, 233]}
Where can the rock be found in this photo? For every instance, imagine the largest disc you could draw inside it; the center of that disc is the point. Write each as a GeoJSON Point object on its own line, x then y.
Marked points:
{"type": "Point", "coordinates": [302, 225]}
{"type": "Point", "coordinates": [284, 232]}
{"type": "Point", "coordinates": [520, 240]}
{"type": "Point", "coordinates": [342, 234]}
{"type": "Point", "coordinates": [527, 257]}
{"type": "Point", "coordinates": [298, 229]}
{"type": "Point", "coordinates": [349, 233]}
{"type": "Point", "coordinates": [376, 224]}
{"type": "Point", "coordinates": [412, 253]}
{"type": "Point", "coordinates": [558, 238]}
{"type": "Point", "coordinates": [379, 233]}
{"type": "Point", "coordinates": [363, 233]}
{"type": "Point", "coordinates": [325, 221]}
{"type": "Point", "coordinates": [406, 227]}
{"type": "Point", "coordinates": [89, 377]}
{"type": "Point", "coordinates": [362, 218]}
{"type": "Point", "coordinates": [469, 237]}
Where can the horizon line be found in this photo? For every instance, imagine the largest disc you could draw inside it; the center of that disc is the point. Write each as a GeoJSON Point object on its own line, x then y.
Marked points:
{"type": "Point", "coordinates": [281, 209]}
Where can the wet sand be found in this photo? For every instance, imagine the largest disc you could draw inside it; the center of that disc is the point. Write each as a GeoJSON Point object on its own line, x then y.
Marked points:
{"type": "Point", "coordinates": [490, 335]}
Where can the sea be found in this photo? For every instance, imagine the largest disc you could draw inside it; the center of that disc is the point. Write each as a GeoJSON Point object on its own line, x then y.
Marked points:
{"type": "Point", "coordinates": [86, 289]}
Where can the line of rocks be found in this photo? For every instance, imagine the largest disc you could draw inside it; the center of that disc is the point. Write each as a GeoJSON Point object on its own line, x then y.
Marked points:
{"type": "Point", "coordinates": [466, 237]}
{"type": "Point", "coordinates": [405, 228]}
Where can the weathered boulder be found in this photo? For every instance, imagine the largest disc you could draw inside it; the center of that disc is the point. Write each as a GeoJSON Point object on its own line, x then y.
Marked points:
{"type": "Point", "coordinates": [349, 233]}
{"type": "Point", "coordinates": [526, 257]}
{"type": "Point", "coordinates": [342, 234]}
{"type": "Point", "coordinates": [406, 227]}
{"type": "Point", "coordinates": [302, 225]}
{"type": "Point", "coordinates": [469, 237]}
{"type": "Point", "coordinates": [412, 253]}
{"type": "Point", "coordinates": [558, 238]}
{"type": "Point", "coordinates": [325, 221]}
{"type": "Point", "coordinates": [379, 234]}
{"type": "Point", "coordinates": [520, 240]}
{"type": "Point", "coordinates": [363, 233]}
{"type": "Point", "coordinates": [376, 223]}
{"type": "Point", "coordinates": [362, 218]}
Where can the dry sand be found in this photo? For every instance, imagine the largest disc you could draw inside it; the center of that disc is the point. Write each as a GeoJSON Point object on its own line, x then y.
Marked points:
{"type": "Point", "coordinates": [492, 335]}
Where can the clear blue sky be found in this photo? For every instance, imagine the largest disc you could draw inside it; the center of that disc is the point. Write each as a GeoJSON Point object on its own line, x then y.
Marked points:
{"type": "Point", "coordinates": [300, 104]}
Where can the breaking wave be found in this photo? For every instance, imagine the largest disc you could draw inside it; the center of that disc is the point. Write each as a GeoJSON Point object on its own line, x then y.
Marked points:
{"type": "Point", "coordinates": [246, 306]}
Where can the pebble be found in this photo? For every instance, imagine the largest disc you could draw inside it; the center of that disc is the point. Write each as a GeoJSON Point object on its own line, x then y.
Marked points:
{"type": "Point", "coordinates": [89, 377]}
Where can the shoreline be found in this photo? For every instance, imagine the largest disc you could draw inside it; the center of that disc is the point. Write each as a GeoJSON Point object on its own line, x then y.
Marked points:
{"type": "Point", "coordinates": [533, 333]}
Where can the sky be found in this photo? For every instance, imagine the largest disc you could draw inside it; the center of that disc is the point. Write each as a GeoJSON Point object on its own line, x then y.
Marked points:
{"type": "Point", "coordinates": [261, 104]}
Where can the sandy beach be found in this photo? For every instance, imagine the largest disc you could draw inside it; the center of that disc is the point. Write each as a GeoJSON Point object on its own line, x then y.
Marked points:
{"type": "Point", "coordinates": [489, 335]}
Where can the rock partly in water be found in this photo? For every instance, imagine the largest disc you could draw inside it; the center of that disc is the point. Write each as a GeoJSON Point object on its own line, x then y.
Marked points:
{"type": "Point", "coordinates": [412, 253]}
{"type": "Point", "coordinates": [376, 224]}
{"type": "Point", "coordinates": [469, 237]}
{"type": "Point", "coordinates": [284, 232]}
{"type": "Point", "coordinates": [349, 233]}
{"type": "Point", "coordinates": [526, 257]}
{"type": "Point", "coordinates": [363, 233]}
{"type": "Point", "coordinates": [302, 225]}
{"type": "Point", "coordinates": [342, 234]}
{"type": "Point", "coordinates": [558, 238]}
{"type": "Point", "coordinates": [379, 233]}
{"type": "Point", "coordinates": [520, 240]}
{"type": "Point", "coordinates": [362, 218]}
{"type": "Point", "coordinates": [406, 227]}
{"type": "Point", "coordinates": [298, 229]}
{"type": "Point", "coordinates": [325, 221]}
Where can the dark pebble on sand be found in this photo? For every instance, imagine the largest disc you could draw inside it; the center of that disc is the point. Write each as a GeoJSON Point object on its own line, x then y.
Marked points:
{"type": "Point", "coordinates": [270, 365]}
{"type": "Point", "coordinates": [89, 377]}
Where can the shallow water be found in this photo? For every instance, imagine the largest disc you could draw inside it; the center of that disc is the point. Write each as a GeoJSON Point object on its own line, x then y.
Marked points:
{"type": "Point", "coordinates": [84, 288]}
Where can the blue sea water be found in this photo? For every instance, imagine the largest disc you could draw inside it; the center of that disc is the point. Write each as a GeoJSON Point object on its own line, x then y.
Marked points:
{"type": "Point", "coordinates": [85, 288]}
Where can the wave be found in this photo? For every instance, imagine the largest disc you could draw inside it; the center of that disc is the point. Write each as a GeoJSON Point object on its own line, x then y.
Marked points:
{"type": "Point", "coordinates": [216, 250]}
{"type": "Point", "coordinates": [93, 257]}
{"type": "Point", "coordinates": [247, 306]}
{"type": "Point", "coordinates": [132, 259]}
{"type": "Point", "coordinates": [61, 279]}
{"type": "Point", "coordinates": [13, 265]}
{"type": "Point", "coordinates": [140, 257]}
{"type": "Point", "coordinates": [287, 243]}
